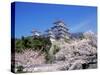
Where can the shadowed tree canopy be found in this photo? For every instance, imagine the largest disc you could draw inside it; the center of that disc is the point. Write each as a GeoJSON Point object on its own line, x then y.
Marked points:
{"type": "Point", "coordinates": [39, 43]}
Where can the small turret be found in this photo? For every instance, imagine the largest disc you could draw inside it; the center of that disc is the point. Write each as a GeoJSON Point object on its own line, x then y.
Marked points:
{"type": "Point", "coordinates": [35, 33]}
{"type": "Point", "coordinates": [50, 35]}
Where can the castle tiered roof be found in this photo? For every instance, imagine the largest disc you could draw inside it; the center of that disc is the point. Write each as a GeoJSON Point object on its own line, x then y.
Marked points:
{"type": "Point", "coordinates": [58, 31]}
{"type": "Point", "coordinates": [61, 29]}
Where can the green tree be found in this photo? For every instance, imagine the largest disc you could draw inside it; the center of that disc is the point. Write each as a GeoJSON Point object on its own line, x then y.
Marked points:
{"type": "Point", "coordinates": [18, 46]}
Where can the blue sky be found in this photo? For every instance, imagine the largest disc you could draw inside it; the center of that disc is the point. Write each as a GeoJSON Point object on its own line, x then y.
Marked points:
{"type": "Point", "coordinates": [39, 16]}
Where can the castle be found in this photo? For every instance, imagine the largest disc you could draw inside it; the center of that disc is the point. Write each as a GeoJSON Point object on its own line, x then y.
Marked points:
{"type": "Point", "coordinates": [59, 31]}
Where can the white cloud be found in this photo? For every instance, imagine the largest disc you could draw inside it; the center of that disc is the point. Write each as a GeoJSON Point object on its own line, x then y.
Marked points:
{"type": "Point", "coordinates": [83, 25]}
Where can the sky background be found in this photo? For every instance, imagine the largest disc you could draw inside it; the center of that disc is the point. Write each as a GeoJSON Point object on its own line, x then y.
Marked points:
{"type": "Point", "coordinates": [41, 17]}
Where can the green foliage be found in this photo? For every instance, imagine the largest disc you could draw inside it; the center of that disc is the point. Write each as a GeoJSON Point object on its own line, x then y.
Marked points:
{"type": "Point", "coordinates": [66, 40]}
{"type": "Point", "coordinates": [56, 49]}
{"type": "Point", "coordinates": [20, 69]}
{"type": "Point", "coordinates": [26, 42]}
{"type": "Point", "coordinates": [50, 55]}
{"type": "Point", "coordinates": [49, 58]}
{"type": "Point", "coordinates": [18, 46]}
{"type": "Point", "coordinates": [81, 37]}
{"type": "Point", "coordinates": [37, 44]}
{"type": "Point", "coordinates": [40, 43]}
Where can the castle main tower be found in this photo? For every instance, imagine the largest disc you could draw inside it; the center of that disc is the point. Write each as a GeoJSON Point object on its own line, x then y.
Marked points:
{"type": "Point", "coordinates": [60, 30]}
